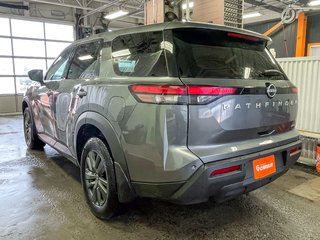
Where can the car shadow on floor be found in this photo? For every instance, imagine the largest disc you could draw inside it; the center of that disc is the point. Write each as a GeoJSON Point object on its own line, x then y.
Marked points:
{"type": "Point", "coordinates": [187, 222]}
{"type": "Point", "coordinates": [206, 220]}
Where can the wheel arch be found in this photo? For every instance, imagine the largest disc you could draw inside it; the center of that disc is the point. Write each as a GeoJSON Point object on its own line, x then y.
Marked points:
{"type": "Point", "coordinates": [25, 104]}
{"type": "Point", "coordinates": [92, 124]}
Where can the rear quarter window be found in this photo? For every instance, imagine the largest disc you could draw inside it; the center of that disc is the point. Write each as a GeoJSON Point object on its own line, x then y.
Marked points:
{"type": "Point", "coordinates": [139, 55]}
{"type": "Point", "coordinates": [85, 62]}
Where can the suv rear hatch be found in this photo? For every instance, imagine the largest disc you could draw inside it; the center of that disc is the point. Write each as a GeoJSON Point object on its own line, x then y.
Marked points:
{"type": "Point", "coordinates": [240, 100]}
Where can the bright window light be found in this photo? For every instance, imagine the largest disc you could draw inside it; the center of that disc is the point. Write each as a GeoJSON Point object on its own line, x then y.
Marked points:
{"type": "Point", "coordinates": [85, 57]}
{"type": "Point", "coordinates": [247, 72]}
{"type": "Point", "coordinates": [65, 32]}
{"type": "Point", "coordinates": [117, 14]}
{"type": "Point", "coordinates": [314, 3]}
{"type": "Point", "coordinates": [251, 15]}
{"type": "Point", "coordinates": [121, 53]}
{"type": "Point", "coordinates": [5, 27]}
{"type": "Point", "coordinates": [184, 6]}
{"type": "Point", "coordinates": [30, 29]}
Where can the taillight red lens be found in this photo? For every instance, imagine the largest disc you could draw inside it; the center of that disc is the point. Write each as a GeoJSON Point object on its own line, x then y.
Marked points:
{"type": "Point", "coordinates": [160, 94]}
{"type": "Point", "coordinates": [295, 150]}
{"type": "Point", "coordinates": [294, 90]}
{"type": "Point", "coordinates": [226, 170]}
{"type": "Point", "coordinates": [201, 90]}
{"type": "Point", "coordinates": [243, 36]}
{"type": "Point", "coordinates": [164, 94]}
{"type": "Point", "coordinates": [158, 89]}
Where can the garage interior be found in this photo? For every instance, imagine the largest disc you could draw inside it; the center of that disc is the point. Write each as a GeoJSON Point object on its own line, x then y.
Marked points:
{"type": "Point", "coordinates": [41, 194]}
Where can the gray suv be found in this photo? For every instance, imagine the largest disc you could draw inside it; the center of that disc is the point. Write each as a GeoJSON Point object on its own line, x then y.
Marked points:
{"type": "Point", "coordinates": [181, 112]}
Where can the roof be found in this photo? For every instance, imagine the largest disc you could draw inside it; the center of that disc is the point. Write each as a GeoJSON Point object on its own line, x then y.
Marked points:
{"type": "Point", "coordinates": [171, 25]}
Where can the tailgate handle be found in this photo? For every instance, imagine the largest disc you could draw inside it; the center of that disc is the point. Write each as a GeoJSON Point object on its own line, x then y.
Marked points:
{"type": "Point", "coordinates": [266, 133]}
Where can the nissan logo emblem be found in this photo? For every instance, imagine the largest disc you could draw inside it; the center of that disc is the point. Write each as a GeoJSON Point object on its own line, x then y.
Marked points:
{"type": "Point", "coordinates": [271, 91]}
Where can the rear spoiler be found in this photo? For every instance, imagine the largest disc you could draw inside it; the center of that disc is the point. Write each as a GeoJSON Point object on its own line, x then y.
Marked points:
{"type": "Point", "coordinates": [173, 25]}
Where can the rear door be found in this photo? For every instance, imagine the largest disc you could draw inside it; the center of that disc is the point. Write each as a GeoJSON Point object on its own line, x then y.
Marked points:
{"type": "Point", "coordinates": [239, 96]}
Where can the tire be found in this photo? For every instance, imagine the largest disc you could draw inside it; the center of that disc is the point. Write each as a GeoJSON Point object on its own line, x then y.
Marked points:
{"type": "Point", "coordinates": [30, 132]}
{"type": "Point", "coordinates": [98, 179]}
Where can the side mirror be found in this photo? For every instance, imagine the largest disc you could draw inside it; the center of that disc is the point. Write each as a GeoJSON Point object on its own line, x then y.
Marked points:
{"type": "Point", "coordinates": [36, 75]}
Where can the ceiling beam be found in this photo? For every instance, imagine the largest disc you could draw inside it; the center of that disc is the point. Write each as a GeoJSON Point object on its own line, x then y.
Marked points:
{"type": "Point", "coordinates": [119, 4]}
{"type": "Point", "coordinates": [109, 3]}
{"type": "Point", "coordinates": [62, 4]}
{"type": "Point", "coordinates": [264, 5]}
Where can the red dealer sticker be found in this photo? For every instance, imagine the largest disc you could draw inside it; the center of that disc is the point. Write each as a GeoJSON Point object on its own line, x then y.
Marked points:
{"type": "Point", "coordinates": [264, 167]}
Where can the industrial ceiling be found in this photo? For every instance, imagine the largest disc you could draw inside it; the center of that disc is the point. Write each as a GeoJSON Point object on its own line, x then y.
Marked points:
{"type": "Point", "coordinates": [267, 9]}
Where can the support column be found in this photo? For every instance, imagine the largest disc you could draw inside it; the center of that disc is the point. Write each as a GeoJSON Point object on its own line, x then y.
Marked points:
{"type": "Point", "coordinates": [301, 35]}
{"type": "Point", "coordinates": [154, 12]}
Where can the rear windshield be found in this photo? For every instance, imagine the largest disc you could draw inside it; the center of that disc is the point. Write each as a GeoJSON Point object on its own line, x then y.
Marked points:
{"type": "Point", "coordinates": [205, 53]}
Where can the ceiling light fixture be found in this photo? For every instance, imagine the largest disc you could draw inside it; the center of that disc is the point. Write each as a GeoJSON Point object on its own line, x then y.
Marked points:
{"type": "Point", "coordinates": [251, 15]}
{"type": "Point", "coordinates": [314, 3]}
{"type": "Point", "coordinates": [117, 14]}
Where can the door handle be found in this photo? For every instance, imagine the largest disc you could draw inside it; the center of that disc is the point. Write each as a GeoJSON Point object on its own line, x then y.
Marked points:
{"type": "Point", "coordinates": [81, 93]}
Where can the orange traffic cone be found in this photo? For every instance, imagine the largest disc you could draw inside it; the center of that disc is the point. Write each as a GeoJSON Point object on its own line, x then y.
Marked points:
{"type": "Point", "coordinates": [318, 159]}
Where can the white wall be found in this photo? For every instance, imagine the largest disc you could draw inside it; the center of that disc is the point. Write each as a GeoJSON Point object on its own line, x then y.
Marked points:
{"type": "Point", "coordinates": [39, 10]}
{"type": "Point", "coordinates": [304, 72]}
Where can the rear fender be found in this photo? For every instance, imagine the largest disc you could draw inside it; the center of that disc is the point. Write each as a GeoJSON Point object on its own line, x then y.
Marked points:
{"type": "Point", "coordinates": [125, 190]}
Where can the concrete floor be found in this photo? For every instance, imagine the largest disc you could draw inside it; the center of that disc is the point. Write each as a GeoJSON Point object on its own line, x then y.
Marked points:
{"type": "Point", "coordinates": [41, 198]}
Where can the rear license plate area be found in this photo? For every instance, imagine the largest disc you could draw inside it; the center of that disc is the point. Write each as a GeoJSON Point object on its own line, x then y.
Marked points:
{"type": "Point", "coordinates": [263, 167]}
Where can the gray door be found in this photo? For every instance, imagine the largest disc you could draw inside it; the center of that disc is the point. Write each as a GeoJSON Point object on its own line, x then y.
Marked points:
{"type": "Point", "coordinates": [41, 110]}
{"type": "Point", "coordinates": [71, 95]}
{"type": "Point", "coordinates": [47, 92]}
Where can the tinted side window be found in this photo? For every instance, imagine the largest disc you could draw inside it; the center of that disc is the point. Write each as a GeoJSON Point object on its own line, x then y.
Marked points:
{"type": "Point", "coordinates": [85, 61]}
{"type": "Point", "coordinates": [57, 69]}
{"type": "Point", "coordinates": [139, 55]}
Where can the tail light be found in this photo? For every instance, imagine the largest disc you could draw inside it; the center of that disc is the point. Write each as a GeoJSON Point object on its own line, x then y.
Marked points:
{"type": "Point", "coordinates": [294, 90]}
{"type": "Point", "coordinates": [295, 151]}
{"type": "Point", "coordinates": [226, 170]}
{"type": "Point", "coordinates": [243, 36]}
{"type": "Point", "coordinates": [204, 94]}
{"type": "Point", "coordinates": [160, 94]}
{"type": "Point", "coordinates": [163, 94]}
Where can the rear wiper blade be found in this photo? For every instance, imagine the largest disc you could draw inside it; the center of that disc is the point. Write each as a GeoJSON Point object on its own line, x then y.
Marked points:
{"type": "Point", "coordinates": [271, 73]}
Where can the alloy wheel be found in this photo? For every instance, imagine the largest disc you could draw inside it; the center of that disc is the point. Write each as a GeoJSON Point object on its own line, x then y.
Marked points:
{"type": "Point", "coordinates": [27, 128]}
{"type": "Point", "coordinates": [96, 178]}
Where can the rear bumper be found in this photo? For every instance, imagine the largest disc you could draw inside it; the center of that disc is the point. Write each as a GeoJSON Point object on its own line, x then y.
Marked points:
{"type": "Point", "coordinates": [201, 186]}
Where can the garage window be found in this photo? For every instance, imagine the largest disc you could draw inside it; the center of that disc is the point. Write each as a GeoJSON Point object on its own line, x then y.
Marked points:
{"type": "Point", "coordinates": [27, 29]}
{"type": "Point", "coordinates": [18, 53]}
{"type": "Point", "coordinates": [5, 27]}
{"type": "Point", "coordinates": [5, 44]}
{"type": "Point", "coordinates": [26, 48]}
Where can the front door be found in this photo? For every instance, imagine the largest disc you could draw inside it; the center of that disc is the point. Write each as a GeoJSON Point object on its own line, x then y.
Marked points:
{"type": "Point", "coordinates": [48, 93]}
